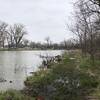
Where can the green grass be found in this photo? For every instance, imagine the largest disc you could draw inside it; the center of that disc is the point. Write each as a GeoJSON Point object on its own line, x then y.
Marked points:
{"type": "Point", "coordinates": [14, 95]}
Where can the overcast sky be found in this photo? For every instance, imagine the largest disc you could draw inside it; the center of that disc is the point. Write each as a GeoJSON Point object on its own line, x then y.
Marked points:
{"type": "Point", "coordinates": [42, 18]}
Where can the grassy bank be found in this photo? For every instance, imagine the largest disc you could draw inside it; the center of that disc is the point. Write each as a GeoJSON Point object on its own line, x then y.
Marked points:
{"type": "Point", "coordinates": [72, 78]}
{"type": "Point", "coordinates": [14, 95]}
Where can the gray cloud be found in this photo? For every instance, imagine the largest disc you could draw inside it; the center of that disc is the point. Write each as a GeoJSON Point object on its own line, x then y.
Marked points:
{"type": "Point", "coordinates": [41, 17]}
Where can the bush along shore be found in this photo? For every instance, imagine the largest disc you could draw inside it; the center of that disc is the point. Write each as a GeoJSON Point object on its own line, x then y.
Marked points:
{"type": "Point", "coordinates": [68, 77]}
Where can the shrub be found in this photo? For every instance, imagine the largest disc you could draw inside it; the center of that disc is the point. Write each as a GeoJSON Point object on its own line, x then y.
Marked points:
{"type": "Point", "coordinates": [63, 81]}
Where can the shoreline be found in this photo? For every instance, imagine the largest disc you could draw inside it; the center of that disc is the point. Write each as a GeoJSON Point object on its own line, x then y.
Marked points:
{"type": "Point", "coordinates": [20, 49]}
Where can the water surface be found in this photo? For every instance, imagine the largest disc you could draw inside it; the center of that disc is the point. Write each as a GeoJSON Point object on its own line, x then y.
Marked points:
{"type": "Point", "coordinates": [15, 66]}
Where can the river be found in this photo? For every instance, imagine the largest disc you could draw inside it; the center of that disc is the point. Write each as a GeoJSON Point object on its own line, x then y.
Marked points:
{"type": "Point", "coordinates": [15, 66]}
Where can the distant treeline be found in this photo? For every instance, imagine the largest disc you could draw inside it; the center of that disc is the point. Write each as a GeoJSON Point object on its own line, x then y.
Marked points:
{"type": "Point", "coordinates": [13, 36]}
{"type": "Point", "coordinates": [62, 45]}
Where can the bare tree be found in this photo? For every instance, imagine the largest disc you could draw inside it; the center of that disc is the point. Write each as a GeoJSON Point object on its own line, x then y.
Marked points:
{"type": "Point", "coordinates": [10, 39]}
{"type": "Point", "coordinates": [48, 41]}
{"type": "Point", "coordinates": [86, 28]}
{"type": "Point", "coordinates": [96, 2]}
{"type": "Point", "coordinates": [17, 33]}
{"type": "Point", "coordinates": [3, 33]}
